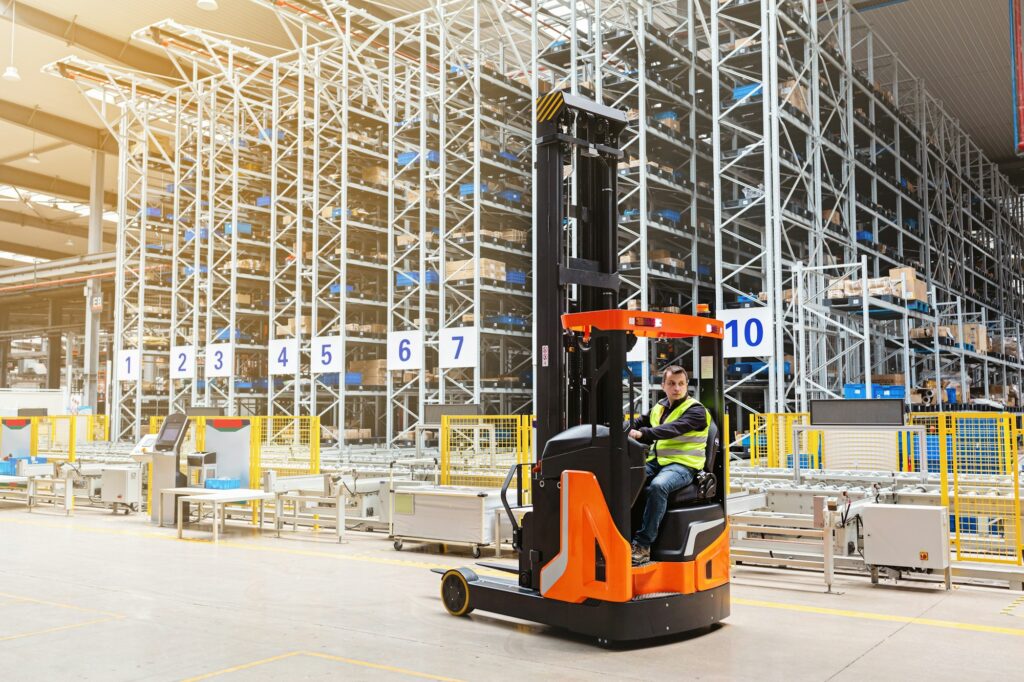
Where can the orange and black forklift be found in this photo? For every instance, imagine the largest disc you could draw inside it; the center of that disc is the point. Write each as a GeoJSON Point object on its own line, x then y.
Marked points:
{"type": "Point", "coordinates": [586, 488]}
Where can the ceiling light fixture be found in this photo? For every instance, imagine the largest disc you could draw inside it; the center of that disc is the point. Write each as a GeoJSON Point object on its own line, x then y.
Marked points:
{"type": "Point", "coordinates": [11, 72]}
{"type": "Point", "coordinates": [32, 158]}
{"type": "Point", "coordinates": [208, 5]}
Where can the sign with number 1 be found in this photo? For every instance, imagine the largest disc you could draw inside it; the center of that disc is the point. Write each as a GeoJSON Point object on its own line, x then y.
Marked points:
{"type": "Point", "coordinates": [459, 347]}
{"type": "Point", "coordinates": [747, 332]}
{"type": "Point", "coordinates": [128, 364]}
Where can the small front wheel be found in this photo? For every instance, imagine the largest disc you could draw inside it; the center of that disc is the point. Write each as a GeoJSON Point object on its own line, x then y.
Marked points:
{"type": "Point", "coordinates": [476, 552]}
{"type": "Point", "coordinates": [398, 545]}
{"type": "Point", "coordinates": [455, 593]}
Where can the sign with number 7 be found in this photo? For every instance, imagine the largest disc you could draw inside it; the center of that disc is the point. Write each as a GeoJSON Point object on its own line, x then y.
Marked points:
{"type": "Point", "coordinates": [459, 347]}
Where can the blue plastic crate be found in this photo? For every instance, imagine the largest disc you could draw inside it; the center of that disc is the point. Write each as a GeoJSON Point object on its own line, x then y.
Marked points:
{"type": "Point", "coordinates": [243, 228]}
{"type": "Point", "coordinates": [631, 213]}
{"type": "Point", "coordinates": [353, 378]}
{"type": "Point", "coordinates": [225, 335]}
{"type": "Point", "coordinates": [329, 379]}
{"type": "Point", "coordinates": [154, 212]}
{"type": "Point", "coordinates": [336, 288]}
{"type": "Point", "coordinates": [267, 134]}
{"type": "Point", "coordinates": [406, 158]}
{"type": "Point", "coordinates": [511, 195]}
{"type": "Point", "coordinates": [8, 468]}
{"type": "Point", "coordinates": [515, 276]}
{"type": "Point", "coordinates": [223, 483]}
{"type": "Point", "coordinates": [805, 461]}
{"type": "Point", "coordinates": [666, 116]}
{"type": "Point", "coordinates": [263, 201]}
{"type": "Point", "coordinates": [865, 236]}
{"type": "Point", "coordinates": [468, 189]}
{"type": "Point", "coordinates": [668, 214]}
{"type": "Point", "coordinates": [190, 234]}
{"type": "Point", "coordinates": [190, 270]}
{"type": "Point", "coordinates": [508, 156]}
{"type": "Point", "coordinates": [744, 298]}
{"type": "Point", "coordinates": [741, 91]}
{"type": "Point", "coordinates": [704, 270]}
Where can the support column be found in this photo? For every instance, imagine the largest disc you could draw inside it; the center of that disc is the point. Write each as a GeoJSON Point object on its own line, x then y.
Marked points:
{"type": "Point", "coordinates": [54, 357]}
{"type": "Point", "coordinates": [5, 348]}
{"type": "Point", "coordinates": [93, 289]}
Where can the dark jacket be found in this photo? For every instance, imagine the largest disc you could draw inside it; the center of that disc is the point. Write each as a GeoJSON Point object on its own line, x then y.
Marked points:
{"type": "Point", "coordinates": [694, 419]}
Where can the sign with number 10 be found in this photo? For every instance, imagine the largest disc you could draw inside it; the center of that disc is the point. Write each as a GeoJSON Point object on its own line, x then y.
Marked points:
{"type": "Point", "coordinates": [747, 332]}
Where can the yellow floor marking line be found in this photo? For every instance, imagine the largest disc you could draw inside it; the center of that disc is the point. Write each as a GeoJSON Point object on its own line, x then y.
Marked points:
{"type": "Point", "coordinates": [32, 600]}
{"type": "Point", "coordinates": [1014, 605]}
{"type": "Point", "coordinates": [867, 615]}
{"type": "Point", "coordinates": [328, 657]}
{"type": "Point", "coordinates": [59, 628]}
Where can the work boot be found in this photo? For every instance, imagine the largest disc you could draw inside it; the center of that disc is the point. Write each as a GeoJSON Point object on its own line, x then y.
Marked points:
{"type": "Point", "coordinates": [641, 554]}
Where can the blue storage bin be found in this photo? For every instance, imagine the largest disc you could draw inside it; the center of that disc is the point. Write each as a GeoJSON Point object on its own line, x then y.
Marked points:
{"type": "Point", "coordinates": [666, 116]}
{"type": "Point", "coordinates": [263, 201]}
{"type": "Point", "coordinates": [154, 212]}
{"type": "Point", "coordinates": [741, 91]}
{"type": "Point", "coordinates": [243, 228]}
{"type": "Point", "coordinates": [744, 298]}
{"type": "Point", "coordinates": [668, 214]}
{"type": "Point", "coordinates": [468, 189]}
{"type": "Point", "coordinates": [190, 234]}
{"type": "Point", "coordinates": [636, 368]}
{"type": "Point", "coordinates": [405, 158]}
{"type": "Point", "coordinates": [865, 236]}
{"type": "Point", "coordinates": [511, 195]}
{"type": "Point", "coordinates": [267, 134]}
{"type": "Point", "coordinates": [223, 483]}
{"type": "Point", "coordinates": [353, 378]}
{"type": "Point", "coordinates": [515, 276]}
{"type": "Point", "coordinates": [805, 461]}
{"type": "Point", "coordinates": [8, 468]}
{"type": "Point", "coordinates": [508, 156]}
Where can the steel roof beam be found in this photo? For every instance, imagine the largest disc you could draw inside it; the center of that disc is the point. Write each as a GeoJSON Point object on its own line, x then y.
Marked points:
{"type": "Point", "coordinates": [37, 182]}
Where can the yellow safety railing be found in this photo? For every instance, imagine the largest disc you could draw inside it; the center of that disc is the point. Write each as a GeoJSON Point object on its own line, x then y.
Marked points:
{"type": "Point", "coordinates": [55, 436]}
{"type": "Point", "coordinates": [478, 450]}
{"type": "Point", "coordinates": [286, 444]}
{"type": "Point", "coordinates": [977, 455]}
{"type": "Point", "coordinates": [771, 438]}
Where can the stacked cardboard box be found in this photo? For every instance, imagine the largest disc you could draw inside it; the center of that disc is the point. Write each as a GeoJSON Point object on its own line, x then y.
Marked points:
{"type": "Point", "coordinates": [929, 331]}
{"type": "Point", "coordinates": [358, 434]}
{"type": "Point", "coordinates": [1012, 394]}
{"type": "Point", "coordinates": [908, 286]}
{"type": "Point", "coordinates": [795, 94]}
{"type": "Point", "coordinates": [375, 372]}
{"type": "Point", "coordinates": [464, 269]}
{"type": "Point", "coordinates": [375, 175]}
{"type": "Point", "coordinates": [974, 334]}
{"type": "Point", "coordinates": [1004, 346]}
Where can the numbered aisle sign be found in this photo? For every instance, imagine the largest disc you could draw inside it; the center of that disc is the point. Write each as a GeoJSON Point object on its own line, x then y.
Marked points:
{"type": "Point", "coordinates": [284, 356]}
{"type": "Point", "coordinates": [325, 354]}
{"type": "Point", "coordinates": [128, 364]}
{"type": "Point", "coordinates": [220, 360]}
{"type": "Point", "coordinates": [460, 347]}
{"type": "Point", "coordinates": [183, 362]}
{"type": "Point", "coordinates": [747, 332]}
{"type": "Point", "coordinates": [405, 350]}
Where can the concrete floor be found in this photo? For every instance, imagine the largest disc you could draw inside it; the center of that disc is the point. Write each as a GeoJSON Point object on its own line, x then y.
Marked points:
{"type": "Point", "coordinates": [97, 597]}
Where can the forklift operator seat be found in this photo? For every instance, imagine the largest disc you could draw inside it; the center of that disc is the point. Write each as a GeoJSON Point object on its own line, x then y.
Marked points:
{"type": "Point", "coordinates": [705, 485]}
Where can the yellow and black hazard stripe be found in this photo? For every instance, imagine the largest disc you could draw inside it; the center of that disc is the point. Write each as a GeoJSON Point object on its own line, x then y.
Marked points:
{"type": "Point", "coordinates": [549, 105]}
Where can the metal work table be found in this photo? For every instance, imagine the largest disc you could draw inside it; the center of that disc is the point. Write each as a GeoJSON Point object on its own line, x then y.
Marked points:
{"type": "Point", "coordinates": [217, 499]}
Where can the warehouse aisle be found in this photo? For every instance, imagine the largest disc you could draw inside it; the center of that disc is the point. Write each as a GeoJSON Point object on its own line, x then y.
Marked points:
{"type": "Point", "coordinates": [82, 595]}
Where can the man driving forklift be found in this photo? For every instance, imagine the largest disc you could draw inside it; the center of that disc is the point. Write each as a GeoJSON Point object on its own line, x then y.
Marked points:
{"type": "Point", "coordinates": [676, 429]}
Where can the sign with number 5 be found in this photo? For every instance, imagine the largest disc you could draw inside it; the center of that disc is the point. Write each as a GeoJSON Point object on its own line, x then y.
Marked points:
{"type": "Point", "coordinates": [220, 360]}
{"type": "Point", "coordinates": [405, 350]}
{"type": "Point", "coordinates": [183, 362]}
{"type": "Point", "coordinates": [747, 332]}
{"type": "Point", "coordinates": [325, 355]}
{"type": "Point", "coordinates": [459, 347]}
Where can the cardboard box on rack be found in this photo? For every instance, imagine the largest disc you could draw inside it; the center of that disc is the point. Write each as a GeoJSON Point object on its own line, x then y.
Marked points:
{"type": "Point", "coordinates": [974, 334]}
{"type": "Point", "coordinates": [794, 93]}
{"type": "Point", "coordinates": [464, 269]}
{"type": "Point", "coordinates": [907, 284]}
{"type": "Point", "coordinates": [375, 175]}
{"type": "Point", "coordinates": [930, 331]}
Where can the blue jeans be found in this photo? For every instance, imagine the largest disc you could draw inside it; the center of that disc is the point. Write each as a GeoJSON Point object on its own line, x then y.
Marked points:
{"type": "Point", "coordinates": [662, 481]}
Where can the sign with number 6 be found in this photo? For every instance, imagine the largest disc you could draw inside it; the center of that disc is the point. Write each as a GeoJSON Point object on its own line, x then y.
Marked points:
{"type": "Point", "coordinates": [747, 332]}
{"type": "Point", "coordinates": [405, 350]}
{"type": "Point", "coordinates": [460, 347]}
{"type": "Point", "coordinates": [183, 362]}
{"type": "Point", "coordinates": [220, 360]}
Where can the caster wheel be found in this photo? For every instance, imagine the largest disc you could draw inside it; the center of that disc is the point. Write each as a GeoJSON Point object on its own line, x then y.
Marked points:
{"type": "Point", "coordinates": [604, 643]}
{"type": "Point", "coordinates": [398, 545]}
{"type": "Point", "coordinates": [476, 552]}
{"type": "Point", "coordinates": [455, 593]}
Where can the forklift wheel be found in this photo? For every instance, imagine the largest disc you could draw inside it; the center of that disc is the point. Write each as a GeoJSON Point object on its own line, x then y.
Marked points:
{"type": "Point", "coordinates": [455, 593]}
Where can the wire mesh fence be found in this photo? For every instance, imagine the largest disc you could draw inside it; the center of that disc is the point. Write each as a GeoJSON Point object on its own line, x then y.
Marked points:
{"type": "Point", "coordinates": [289, 445]}
{"type": "Point", "coordinates": [771, 438]}
{"type": "Point", "coordinates": [480, 450]}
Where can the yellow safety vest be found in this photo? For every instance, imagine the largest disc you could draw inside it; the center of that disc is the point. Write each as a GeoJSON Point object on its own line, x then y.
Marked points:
{"type": "Point", "coordinates": [686, 449]}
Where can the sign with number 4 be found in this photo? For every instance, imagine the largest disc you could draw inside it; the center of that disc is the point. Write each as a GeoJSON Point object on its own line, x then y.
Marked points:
{"type": "Point", "coordinates": [459, 347]}
{"type": "Point", "coordinates": [284, 356]}
{"type": "Point", "coordinates": [747, 332]}
{"type": "Point", "coordinates": [405, 350]}
{"type": "Point", "coordinates": [183, 362]}
{"type": "Point", "coordinates": [220, 360]}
